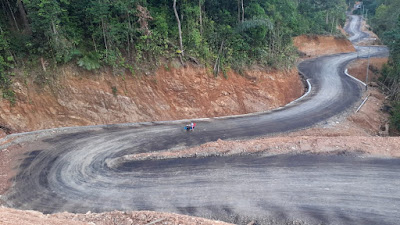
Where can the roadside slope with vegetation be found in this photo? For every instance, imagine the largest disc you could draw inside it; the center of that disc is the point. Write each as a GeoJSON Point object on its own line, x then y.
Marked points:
{"type": "Point", "coordinates": [384, 17]}
{"type": "Point", "coordinates": [130, 35]}
{"type": "Point", "coordinates": [71, 63]}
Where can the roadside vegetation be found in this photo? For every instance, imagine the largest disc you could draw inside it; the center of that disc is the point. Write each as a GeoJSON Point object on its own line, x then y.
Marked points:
{"type": "Point", "coordinates": [131, 36]}
{"type": "Point", "coordinates": [384, 17]}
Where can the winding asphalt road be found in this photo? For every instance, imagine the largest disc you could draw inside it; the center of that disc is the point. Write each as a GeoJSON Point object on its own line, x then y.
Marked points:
{"type": "Point", "coordinates": [68, 171]}
{"type": "Point", "coordinates": [354, 29]}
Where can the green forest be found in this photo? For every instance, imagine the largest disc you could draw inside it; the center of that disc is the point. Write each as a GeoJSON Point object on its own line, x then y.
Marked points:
{"type": "Point", "coordinates": [128, 35]}
{"type": "Point", "coordinates": [384, 17]}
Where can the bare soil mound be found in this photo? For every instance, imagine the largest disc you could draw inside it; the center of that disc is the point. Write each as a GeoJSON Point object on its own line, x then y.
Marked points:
{"type": "Point", "coordinates": [314, 45]}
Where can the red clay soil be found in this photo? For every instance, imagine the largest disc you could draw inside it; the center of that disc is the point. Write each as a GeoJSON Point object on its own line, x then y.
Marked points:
{"type": "Point", "coordinates": [9, 159]}
{"type": "Point", "coordinates": [13, 216]}
{"type": "Point", "coordinates": [171, 93]}
{"type": "Point", "coordinates": [358, 68]}
{"type": "Point", "coordinates": [313, 45]}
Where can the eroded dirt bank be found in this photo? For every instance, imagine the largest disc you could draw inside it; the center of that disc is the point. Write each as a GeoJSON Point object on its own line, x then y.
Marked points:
{"type": "Point", "coordinates": [358, 68]}
{"type": "Point", "coordinates": [79, 99]}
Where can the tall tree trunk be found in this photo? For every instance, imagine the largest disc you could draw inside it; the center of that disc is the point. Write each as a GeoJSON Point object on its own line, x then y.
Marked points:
{"type": "Point", "coordinates": [12, 15]}
{"type": "Point", "coordinates": [94, 44]}
{"type": "Point", "coordinates": [270, 40]}
{"type": "Point", "coordinates": [53, 27]}
{"type": "Point", "coordinates": [278, 39]}
{"type": "Point", "coordinates": [273, 40]}
{"type": "Point", "coordinates": [21, 9]}
{"type": "Point", "coordinates": [238, 8]}
{"type": "Point", "coordinates": [327, 18]}
{"type": "Point", "coordinates": [103, 28]}
{"type": "Point", "coordinates": [201, 17]}
{"type": "Point", "coordinates": [333, 24]}
{"type": "Point", "coordinates": [128, 37]}
{"type": "Point", "coordinates": [179, 28]}
{"type": "Point", "coordinates": [216, 65]}
{"type": "Point", "coordinates": [104, 36]}
{"type": "Point", "coordinates": [242, 11]}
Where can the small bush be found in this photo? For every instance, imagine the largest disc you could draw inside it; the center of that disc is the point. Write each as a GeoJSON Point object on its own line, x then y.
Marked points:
{"type": "Point", "coordinates": [9, 95]}
{"type": "Point", "coordinates": [395, 118]}
{"type": "Point", "coordinates": [90, 61]}
{"type": "Point", "coordinates": [114, 90]}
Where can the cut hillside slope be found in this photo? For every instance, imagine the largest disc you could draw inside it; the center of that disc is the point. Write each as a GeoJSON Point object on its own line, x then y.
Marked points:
{"type": "Point", "coordinates": [314, 45]}
{"type": "Point", "coordinates": [171, 93]}
{"type": "Point", "coordinates": [80, 98]}
{"type": "Point", "coordinates": [358, 68]}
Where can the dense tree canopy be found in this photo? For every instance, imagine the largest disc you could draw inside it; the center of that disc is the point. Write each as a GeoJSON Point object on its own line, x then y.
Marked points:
{"type": "Point", "coordinates": [130, 34]}
{"type": "Point", "coordinates": [384, 16]}
{"type": "Point", "coordinates": [391, 71]}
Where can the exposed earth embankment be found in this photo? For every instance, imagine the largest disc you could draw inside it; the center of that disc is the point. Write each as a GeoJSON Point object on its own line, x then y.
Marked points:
{"type": "Point", "coordinates": [314, 45]}
{"type": "Point", "coordinates": [169, 94]}
{"type": "Point", "coordinates": [79, 98]}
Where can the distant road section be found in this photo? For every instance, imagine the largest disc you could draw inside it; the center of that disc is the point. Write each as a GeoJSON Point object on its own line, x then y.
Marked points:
{"type": "Point", "coordinates": [354, 29]}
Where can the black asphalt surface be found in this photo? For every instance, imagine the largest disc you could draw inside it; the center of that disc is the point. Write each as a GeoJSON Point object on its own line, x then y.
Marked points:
{"type": "Point", "coordinates": [69, 171]}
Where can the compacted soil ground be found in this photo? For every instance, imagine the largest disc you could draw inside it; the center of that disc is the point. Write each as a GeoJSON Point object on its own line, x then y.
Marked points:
{"type": "Point", "coordinates": [12, 217]}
